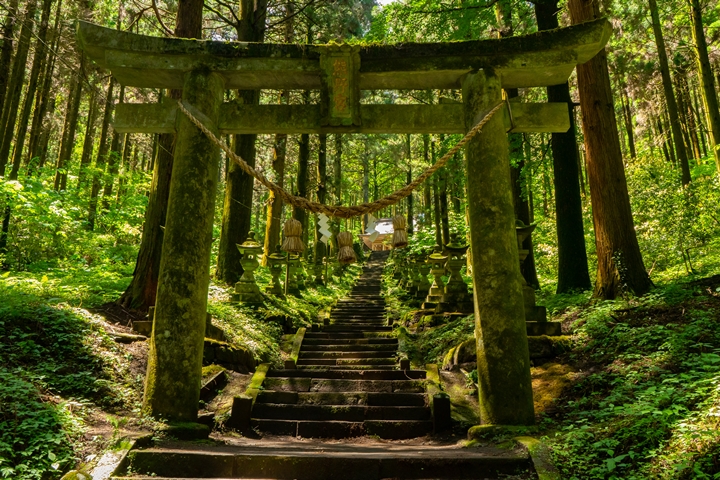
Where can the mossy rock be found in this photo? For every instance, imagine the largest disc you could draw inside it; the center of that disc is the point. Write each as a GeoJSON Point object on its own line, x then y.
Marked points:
{"type": "Point", "coordinates": [487, 432]}
{"type": "Point", "coordinates": [76, 475]}
{"type": "Point", "coordinates": [185, 430]}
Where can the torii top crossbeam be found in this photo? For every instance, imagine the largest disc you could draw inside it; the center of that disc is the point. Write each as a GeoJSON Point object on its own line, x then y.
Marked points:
{"type": "Point", "coordinates": [536, 60]}
{"type": "Point", "coordinates": [340, 72]}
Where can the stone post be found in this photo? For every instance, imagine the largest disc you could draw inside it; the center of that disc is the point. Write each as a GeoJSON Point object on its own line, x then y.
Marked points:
{"type": "Point", "coordinates": [172, 384]}
{"type": "Point", "coordinates": [502, 347]}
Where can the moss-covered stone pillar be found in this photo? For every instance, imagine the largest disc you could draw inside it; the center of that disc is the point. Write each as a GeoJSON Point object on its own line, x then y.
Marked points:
{"type": "Point", "coordinates": [502, 349]}
{"type": "Point", "coordinates": [172, 384]}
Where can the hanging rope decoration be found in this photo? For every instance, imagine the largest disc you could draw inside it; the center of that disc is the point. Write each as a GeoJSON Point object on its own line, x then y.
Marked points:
{"type": "Point", "coordinates": [346, 254]}
{"type": "Point", "coordinates": [336, 210]}
{"type": "Point", "coordinates": [293, 231]}
{"type": "Point", "coordinates": [400, 238]}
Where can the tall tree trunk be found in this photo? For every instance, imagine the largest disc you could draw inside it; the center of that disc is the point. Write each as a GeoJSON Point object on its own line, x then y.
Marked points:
{"type": "Point", "coordinates": [6, 51]}
{"type": "Point", "coordinates": [503, 15]}
{"type": "Point", "coordinates": [664, 142]}
{"type": "Point", "coordinates": [43, 97]}
{"type": "Point", "coordinates": [439, 240]}
{"type": "Point", "coordinates": [101, 158]}
{"type": "Point", "coordinates": [38, 62]}
{"type": "Point", "coordinates": [12, 102]}
{"type": "Point", "coordinates": [697, 109]}
{"type": "Point", "coordinates": [688, 112]}
{"type": "Point", "coordinates": [427, 189]}
{"type": "Point", "coordinates": [620, 263]}
{"type": "Point", "coordinates": [142, 290]}
{"type": "Point", "coordinates": [627, 117]}
{"type": "Point", "coordinates": [320, 247]}
{"type": "Point", "coordinates": [89, 140]}
{"type": "Point", "coordinates": [410, 213]}
{"type": "Point", "coordinates": [237, 209]}
{"type": "Point", "coordinates": [706, 79]}
{"type": "Point", "coordinates": [71, 121]}
{"type": "Point", "coordinates": [573, 271]}
{"type": "Point", "coordinates": [366, 180]}
{"type": "Point", "coordinates": [275, 203]}
{"type": "Point", "coordinates": [671, 102]}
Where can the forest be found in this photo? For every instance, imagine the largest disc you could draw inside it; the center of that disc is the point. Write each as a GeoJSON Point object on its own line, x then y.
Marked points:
{"type": "Point", "coordinates": [624, 255]}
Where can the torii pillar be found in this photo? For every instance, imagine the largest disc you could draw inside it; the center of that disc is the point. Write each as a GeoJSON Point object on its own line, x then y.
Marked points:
{"type": "Point", "coordinates": [172, 382]}
{"type": "Point", "coordinates": [503, 357]}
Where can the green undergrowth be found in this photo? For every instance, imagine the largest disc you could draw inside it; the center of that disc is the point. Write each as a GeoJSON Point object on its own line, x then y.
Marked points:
{"type": "Point", "coordinates": [643, 399]}
{"type": "Point", "coordinates": [646, 400]}
{"type": "Point", "coordinates": [58, 368]}
{"type": "Point", "coordinates": [260, 328]}
{"type": "Point", "coordinates": [61, 371]}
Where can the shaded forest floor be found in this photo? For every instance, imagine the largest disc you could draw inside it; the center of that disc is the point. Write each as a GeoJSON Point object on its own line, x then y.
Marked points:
{"type": "Point", "coordinates": [636, 396]}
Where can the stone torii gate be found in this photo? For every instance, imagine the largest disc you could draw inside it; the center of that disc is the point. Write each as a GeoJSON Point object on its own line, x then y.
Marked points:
{"type": "Point", "coordinates": [205, 69]}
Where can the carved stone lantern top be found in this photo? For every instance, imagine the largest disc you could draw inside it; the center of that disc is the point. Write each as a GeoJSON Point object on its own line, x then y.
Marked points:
{"type": "Point", "coordinates": [277, 255]}
{"type": "Point", "coordinates": [455, 248]}
{"type": "Point", "coordinates": [523, 231]}
{"type": "Point", "coordinates": [250, 247]}
{"type": "Point", "coordinates": [437, 255]}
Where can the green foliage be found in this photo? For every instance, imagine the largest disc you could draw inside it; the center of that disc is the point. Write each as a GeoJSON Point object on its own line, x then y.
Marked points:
{"type": "Point", "coordinates": [429, 346]}
{"type": "Point", "coordinates": [49, 228]}
{"type": "Point", "coordinates": [56, 362]}
{"type": "Point", "coordinates": [647, 403]}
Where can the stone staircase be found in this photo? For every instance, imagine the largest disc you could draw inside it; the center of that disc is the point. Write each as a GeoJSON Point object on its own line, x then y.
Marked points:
{"type": "Point", "coordinates": [347, 382]}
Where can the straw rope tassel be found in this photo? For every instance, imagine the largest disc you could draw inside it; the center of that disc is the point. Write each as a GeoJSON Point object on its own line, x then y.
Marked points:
{"type": "Point", "coordinates": [400, 238]}
{"type": "Point", "coordinates": [339, 211]}
{"type": "Point", "coordinates": [346, 254]}
{"type": "Point", "coordinates": [293, 232]}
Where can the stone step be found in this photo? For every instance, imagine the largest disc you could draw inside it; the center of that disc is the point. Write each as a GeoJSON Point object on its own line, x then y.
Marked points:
{"type": "Point", "coordinates": [348, 335]}
{"type": "Point", "coordinates": [335, 347]}
{"type": "Point", "coordinates": [360, 327]}
{"type": "Point", "coordinates": [348, 341]}
{"type": "Point", "coordinates": [345, 413]}
{"type": "Point", "coordinates": [349, 375]}
{"type": "Point", "coordinates": [295, 384]}
{"type": "Point", "coordinates": [387, 429]}
{"type": "Point", "coordinates": [351, 354]}
{"type": "Point", "coordinates": [343, 398]}
{"type": "Point", "coordinates": [349, 367]}
{"type": "Point", "coordinates": [347, 361]}
{"type": "Point", "coordinates": [325, 461]}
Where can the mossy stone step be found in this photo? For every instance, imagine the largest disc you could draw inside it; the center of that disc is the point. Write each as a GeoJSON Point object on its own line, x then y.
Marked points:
{"type": "Point", "coordinates": [357, 327]}
{"type": "Point", "coordinates": [349, 335]}
{"type": "Point", "coordinates": [349, 367]}
{"type": "Point", "coordinates": [387, 429]}
{"type": "Point", "coordinates": [332, 385]}
{"type": "Point", "coordinates": [347, 361]}
{"type": "Point", "coordinates": [349, 375]}
{"type": "Point", "coordinates": [350, 347]}
{"type": "Point", "coordinates": [348, 413]}
{"type": "Point", "coordinates": [344, 398]}
{"type": "Point", "coordinates": [367, 353]}
{"type": "Point", "coordinates": [326, 461]}
{"type": "Point", "coordinates": [349, 341]}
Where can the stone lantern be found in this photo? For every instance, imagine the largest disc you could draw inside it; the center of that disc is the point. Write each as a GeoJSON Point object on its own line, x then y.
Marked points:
{"type": "Point", "coordinates": [275, 263]}
{"type": "Point", "coordinates": [436, 260]}
{"type": "Point", "coordinates": [246, 289]}
{"type": "Point", "coordinates": [533, 313]}
{"type": "Point", "coordinates": [293, 264]}
{"type": "Point", "coordinates": [423, 270]}
{"type": "Point", "coordinates": [456, 297]}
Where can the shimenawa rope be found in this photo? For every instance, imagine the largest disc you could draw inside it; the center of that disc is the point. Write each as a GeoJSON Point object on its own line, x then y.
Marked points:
{"type": "Point", "coordinates": [337, 210]}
